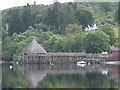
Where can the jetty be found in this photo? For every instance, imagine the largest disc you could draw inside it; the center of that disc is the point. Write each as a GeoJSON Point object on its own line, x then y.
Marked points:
{"type": "Point", "coordinates": [35, 54]}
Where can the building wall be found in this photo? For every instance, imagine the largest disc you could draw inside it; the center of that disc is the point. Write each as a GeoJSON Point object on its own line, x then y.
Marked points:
{"type": "Point", "coordinates": [116, 53]}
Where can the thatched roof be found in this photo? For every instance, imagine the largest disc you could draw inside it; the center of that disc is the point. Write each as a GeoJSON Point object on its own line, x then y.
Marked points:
{"type": "Point", "coordinates": [34, 47]}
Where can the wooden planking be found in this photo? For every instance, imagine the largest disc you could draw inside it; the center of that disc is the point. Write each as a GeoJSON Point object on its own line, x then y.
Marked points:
{"type": "Point", "coordinates": [63, 58]}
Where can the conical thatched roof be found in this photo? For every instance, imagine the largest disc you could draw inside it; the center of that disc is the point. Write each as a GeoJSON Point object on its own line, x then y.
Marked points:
{"type": "Point", "coordinates": [34, 47]}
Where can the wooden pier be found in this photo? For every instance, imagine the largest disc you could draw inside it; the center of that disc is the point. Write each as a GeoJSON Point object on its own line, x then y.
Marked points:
{"type": "Point", "coordinates": [35, 54]}
{"type": "Point", "coordinates": [63, 58]}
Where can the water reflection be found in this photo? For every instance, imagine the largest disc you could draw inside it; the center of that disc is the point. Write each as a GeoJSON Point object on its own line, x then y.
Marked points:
{"type": "Point", "coordinates": [0, 76]}
{"type": "Point", "coordinates": [63, 75]}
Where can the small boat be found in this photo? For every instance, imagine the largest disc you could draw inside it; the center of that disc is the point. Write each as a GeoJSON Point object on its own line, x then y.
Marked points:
{"type": "Point", "coordinates": [81, 62]}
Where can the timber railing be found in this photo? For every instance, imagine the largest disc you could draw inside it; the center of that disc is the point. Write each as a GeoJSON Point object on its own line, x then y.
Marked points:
{"type": "Point", "coordinates": [64, 58]}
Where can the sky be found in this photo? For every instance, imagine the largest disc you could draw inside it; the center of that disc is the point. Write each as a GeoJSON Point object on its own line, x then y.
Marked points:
{"type": "Point", "coordinates": [12, 3]}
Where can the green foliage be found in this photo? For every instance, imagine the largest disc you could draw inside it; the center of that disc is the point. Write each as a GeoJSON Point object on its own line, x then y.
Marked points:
{"type": "Point", "coordinates": [13, 78]}
{"type": "Point", "coordinates": [73, 28]}
{"type": "Point", "coordinates": [65, 17]}
{"type": "Point", "coordinates": [95, 42]}
{"type": "Point", "coordinates": [117, 14]}
{"type": "Point", "coordinates": [54, 44]}
{"type": "Point", "coordinates": [105, 6]}
{"type": "Point", "coordinates": [95, 80]}
{"type": "Point", "coordinates": [107, 28]}
{"type": "Point", "coordinates": [41, 27]}
{"type": "Point", "coordinates": [27, 17]}
{"type": "Point", "coordinates": [78, 44]}
{"type": "Point", "coordinates": [56, 16]}
{"type": "Point", "coordinates": [4, 33]}
{"type": "Point", "coordinates": [32, 32]}
{"type": "Point", "coordinates": [85, 17]}
{"type": "Point", "coordinates": [90, 80]}
{"type": "Point", "coordinates": [9, 49]}
{"type": "Point", "coordinates": [44, 36]}
{"type": "Point", "coordinates": [15, 21]}
{"type": "Point", "coordinates": [39, 19]}
{"type": "Point", "coordinates": [52, 14]}
{"type": "Point", "coordinates": [57, 27]}
{"type": "Point", "coordinates": [69, 43]}
{"type": "Point", "coordinates": [17, 37]}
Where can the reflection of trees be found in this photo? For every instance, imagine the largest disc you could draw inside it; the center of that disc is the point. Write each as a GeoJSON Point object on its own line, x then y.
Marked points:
{"type": "Point", "coordinates": [0, 76]}
{"type": "Point", "coordinates": [95, 80]}
{"type": "Point", "coordinates": [13, 78]}
{"type": "Point", "coordinates": [90, 80]}
{"type": "Point", "coordinates": [114, 83]}
{"type": "Point", "coordinates": [68, 76]}
{"type": "Point", "coordinates": [61, 81]}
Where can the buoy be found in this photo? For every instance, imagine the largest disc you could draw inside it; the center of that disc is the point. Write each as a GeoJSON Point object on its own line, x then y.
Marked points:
{"type": "Point", "coordinates": [17, 63]}
{"type": "Point", "coordinates": [11, 67]}
{"type": "Point", "coordinates": [88, 63]}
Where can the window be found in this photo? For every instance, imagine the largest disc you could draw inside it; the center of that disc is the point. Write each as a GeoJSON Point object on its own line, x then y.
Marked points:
{"type": "Point", "coordinates": [25, 53]}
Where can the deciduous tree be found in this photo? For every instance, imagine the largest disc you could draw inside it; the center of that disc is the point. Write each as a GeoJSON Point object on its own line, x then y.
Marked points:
{"type": "Point", "coordinates": [95, 42]}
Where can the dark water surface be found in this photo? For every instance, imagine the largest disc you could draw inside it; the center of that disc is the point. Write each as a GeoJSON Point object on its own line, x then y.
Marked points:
{"type": "Point", "coordinates": [60, 76]}
{"type": "Point", "coordinates": [0, 76]}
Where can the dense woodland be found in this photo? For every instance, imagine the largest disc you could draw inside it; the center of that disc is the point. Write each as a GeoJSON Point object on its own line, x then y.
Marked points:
{"type": "Point", "coordinates": [60, 27]}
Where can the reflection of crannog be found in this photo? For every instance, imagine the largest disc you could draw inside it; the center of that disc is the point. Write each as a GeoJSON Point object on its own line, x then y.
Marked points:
{"type": "Point", "coordinates": [35, 73]}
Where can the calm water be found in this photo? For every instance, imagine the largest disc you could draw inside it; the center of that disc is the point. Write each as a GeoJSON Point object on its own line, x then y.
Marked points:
{"type": "Point", "coordinates": [60, 76]}
{"type": "Point", "coordinates": [0, 76]}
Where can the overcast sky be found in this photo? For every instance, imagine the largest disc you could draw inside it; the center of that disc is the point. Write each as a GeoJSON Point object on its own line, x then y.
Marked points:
{"type": "Point", "coordinates": [12, 3]}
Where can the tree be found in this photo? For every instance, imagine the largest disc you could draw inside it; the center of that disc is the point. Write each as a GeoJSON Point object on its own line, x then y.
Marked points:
{"type": "Point", "coordinates": [18, 37]}
{"type": "Point", "coordinates": [44, 36]}
{"type": "Point", "coordinates": [4, 33]}
{"type": "Point", "coordinates": [105, 6]}
{"type": "Point", "coordinates": [27, 17]}
{"type": "Point", "coordinates": [107, 28]}
{"type": "Point", "coordinates": [51, 18]}
{"type": "Point", "coordinates": [78, 42]}
{"type": "Point", "coordinates": [41, 26]}
{"type": "Point", "coordinates": [32, 32]}
{"type": "Point", "coordinates": [73, 28]}
{"type": "Point", "coordinates": [39, 19]}
{"type": "Point", "coordinates": [9, 49]}
{"type": "Point", "coordinates": [54, 44]}
{"type": "Point", "coordinates": [95, 42]}
{"type": "Point", "coordinates": [15, 23]}
{"type": "Point", "coordinates": [69, 43]}
{"type": "Point", "coordinates": [65, 17]}
{"type": "Point", "coordinates": [117, 14]}
{"type": "Point", "coordinates": [84, 17]}
{"type": "Point", "coordinates": [21, 45]}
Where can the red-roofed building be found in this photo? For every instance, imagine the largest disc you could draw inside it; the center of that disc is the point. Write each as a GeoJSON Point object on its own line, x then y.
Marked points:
{"type": "Point", "coordinates": [115, 51]}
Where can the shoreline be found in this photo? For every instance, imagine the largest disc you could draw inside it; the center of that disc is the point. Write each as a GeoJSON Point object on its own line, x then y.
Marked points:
{"type": "Point", "coordinates": [113, 62]}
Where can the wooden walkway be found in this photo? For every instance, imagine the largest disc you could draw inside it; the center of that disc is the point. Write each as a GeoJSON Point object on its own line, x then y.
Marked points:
{"type": "Point", "coordinates": [63, 58]}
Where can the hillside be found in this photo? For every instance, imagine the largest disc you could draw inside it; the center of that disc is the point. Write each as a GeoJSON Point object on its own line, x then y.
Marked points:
{"type": "Point", "coordinates": [60, 27]}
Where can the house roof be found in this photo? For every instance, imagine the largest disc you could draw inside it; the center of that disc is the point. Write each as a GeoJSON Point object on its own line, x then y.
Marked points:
{"type": "Point", "coordinates": [34, 47]}
{"type": "Point", "coordinates": [115, 49]}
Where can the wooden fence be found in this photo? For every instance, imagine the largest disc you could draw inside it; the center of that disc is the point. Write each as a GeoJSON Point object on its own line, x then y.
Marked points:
{"type": "Point", "coordinates": [63, 58]}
